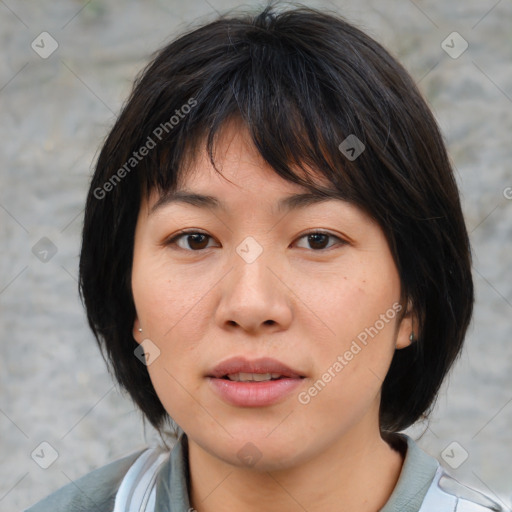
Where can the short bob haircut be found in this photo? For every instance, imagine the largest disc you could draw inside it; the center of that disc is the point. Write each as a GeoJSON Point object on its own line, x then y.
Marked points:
{"type": "Point", "coordinates": [301, 81]}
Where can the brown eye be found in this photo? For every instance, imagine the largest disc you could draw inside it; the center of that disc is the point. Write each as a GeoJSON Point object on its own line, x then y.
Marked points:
{"type": "Point", "coordinates": [195, 241]}
{"type": "Point", "coordinates": [190, 240]}
{"type": "Point", "coordinates": [318, 240]}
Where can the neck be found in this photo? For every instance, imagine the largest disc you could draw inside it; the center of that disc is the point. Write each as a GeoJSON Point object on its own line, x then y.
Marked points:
{"type": "Point", "coordinates": [357, 472]}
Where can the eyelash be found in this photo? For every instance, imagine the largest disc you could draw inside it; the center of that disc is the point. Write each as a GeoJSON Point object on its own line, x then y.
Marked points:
{"type": "Point", "coordinates": [182, 234]}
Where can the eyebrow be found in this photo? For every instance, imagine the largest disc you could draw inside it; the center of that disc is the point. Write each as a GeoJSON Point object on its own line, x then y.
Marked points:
{"type": "Point", "coordinates": [292, 202]}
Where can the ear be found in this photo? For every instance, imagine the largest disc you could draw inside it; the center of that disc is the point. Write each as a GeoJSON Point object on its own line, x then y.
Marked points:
{"type": "Point", "coordinates": [408, 326]}
{"type": "Point", "coordinates": [137, 335]}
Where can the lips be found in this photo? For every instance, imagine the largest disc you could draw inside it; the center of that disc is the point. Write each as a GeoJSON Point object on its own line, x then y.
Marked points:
{"type": "Point", "coordinates": [236, 365]}
{"type": "Point", "coordinates": [257, 383]}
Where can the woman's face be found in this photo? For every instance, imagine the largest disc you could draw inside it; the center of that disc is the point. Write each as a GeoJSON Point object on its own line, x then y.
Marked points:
{"type": "Point", "coordinates": [251, 284]}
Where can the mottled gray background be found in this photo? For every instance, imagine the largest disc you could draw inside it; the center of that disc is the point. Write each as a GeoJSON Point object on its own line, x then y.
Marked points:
{"type": "Point", "coordinates": [54, 113]}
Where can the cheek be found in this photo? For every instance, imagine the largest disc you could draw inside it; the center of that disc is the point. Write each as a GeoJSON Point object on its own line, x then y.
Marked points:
{"type": "Point", "coordinates": [352, 300]}
{"type": "Point", "coordinates": [172, 310]}
{"type": "Point", "coordinates": [167, 300]}
{"type": "Point", "coordinates": [358, 312]}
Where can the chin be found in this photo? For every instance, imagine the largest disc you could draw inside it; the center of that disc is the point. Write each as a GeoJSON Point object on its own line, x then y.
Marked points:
{"type": "Point", "coordinates": [259, 451]}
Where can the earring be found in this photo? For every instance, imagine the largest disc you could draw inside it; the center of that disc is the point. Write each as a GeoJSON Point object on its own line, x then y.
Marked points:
{"type": "Point", "coordinates": [140, 329]}
{"type": "Point", "coordinates": [411, 337]}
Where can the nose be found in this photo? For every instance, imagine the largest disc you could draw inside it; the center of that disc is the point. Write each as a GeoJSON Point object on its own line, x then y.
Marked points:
{"type": "Point", "coordinates": [255, 297]}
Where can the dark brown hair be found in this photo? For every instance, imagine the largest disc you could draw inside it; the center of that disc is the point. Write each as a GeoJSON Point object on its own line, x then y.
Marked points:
{"type": "Point", "coordinates": [302, 81]}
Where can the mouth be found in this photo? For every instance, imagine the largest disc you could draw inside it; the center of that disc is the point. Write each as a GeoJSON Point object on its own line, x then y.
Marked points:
{"type": "Point", "coordinates": [255, 383]}
{"type": "Point", "coordinates": [253, 377]}
{"type": "Point", "coordinates": [241, 369]}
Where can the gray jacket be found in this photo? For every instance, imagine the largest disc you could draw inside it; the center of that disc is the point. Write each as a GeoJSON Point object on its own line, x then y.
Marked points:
{"type": "Point", "coordinates": [156, 480]}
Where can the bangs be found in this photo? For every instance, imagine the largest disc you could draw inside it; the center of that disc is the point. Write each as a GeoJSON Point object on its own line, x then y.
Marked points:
{"type": "Point", "coordinates": [296, 109]}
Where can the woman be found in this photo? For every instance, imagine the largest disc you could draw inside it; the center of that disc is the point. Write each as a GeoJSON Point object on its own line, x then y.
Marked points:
{"type": "Point", "coordinates": [275, 261]}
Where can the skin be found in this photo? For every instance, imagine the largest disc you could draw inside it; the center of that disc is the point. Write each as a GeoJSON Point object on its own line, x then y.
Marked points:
{"type": "Point", "coordinates": [300, 302]}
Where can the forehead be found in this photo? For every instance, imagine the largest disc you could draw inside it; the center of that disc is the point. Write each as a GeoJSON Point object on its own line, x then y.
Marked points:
{"type": "Point", "coordinates": [240, 175]}
{"type": "Point", "coordinates": [247, 189]}
{"type": "Point", "coordinates": [237, 202]}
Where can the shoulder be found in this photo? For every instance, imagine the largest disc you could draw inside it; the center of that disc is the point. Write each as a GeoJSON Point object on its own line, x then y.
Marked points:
{"type": "Point", "coordinates": [94, 491]}
{"type": "Point", "coordinates": [446, 493]}
{"type": "Point", "coordinates": [426, 486]}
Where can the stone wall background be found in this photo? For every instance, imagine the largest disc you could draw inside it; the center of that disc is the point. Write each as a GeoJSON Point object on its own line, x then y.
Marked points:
{"type": "Point", "coordinates": [55, 111]}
